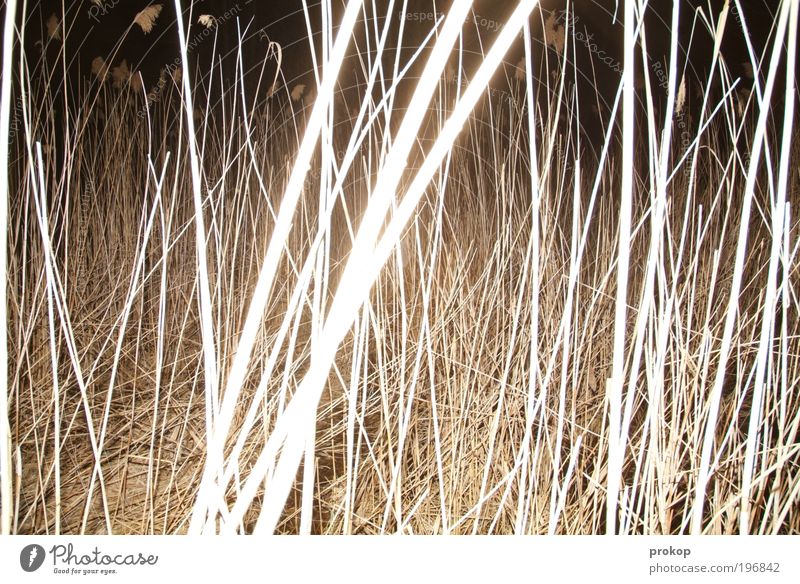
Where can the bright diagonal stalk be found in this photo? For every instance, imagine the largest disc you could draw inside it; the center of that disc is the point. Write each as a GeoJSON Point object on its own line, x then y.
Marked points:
{"type": "Point", "coordinates": [767, 326]}
{"type": "Point", "coordinates": [709, 437]}
{"type": "Point", "coordinates": [269, 269]}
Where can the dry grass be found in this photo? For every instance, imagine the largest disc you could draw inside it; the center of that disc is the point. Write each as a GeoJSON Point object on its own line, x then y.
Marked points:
{"type": "Point", "coordinates": [475, 385]}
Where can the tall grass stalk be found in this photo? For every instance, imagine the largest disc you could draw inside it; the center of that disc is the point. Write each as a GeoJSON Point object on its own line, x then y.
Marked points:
{"type": "Point", "coordinates": [617, 439]}
{"type": "Point", "coordinates": [758, 143]}
{"type": "Point", "coordinates": [6, 507]}
{"type": "Point", "coordinates": [780, 211]}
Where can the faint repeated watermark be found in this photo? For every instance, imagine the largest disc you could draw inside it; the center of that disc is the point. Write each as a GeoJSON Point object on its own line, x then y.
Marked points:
{"type": "Point", "coordinates": [173, 69]}
{"type": "Point", "coordinates": [101, 8]}
{"type": "Point", "coordinates": [480, 21]}
{"type": "Point", "coordinates": [16, 119]}
{"type": "Point", "coordinates": [587, 39]}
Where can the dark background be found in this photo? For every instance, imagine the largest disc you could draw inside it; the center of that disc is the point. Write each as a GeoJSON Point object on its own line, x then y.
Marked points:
{"type": "Point", "coordinates": [108, 31]}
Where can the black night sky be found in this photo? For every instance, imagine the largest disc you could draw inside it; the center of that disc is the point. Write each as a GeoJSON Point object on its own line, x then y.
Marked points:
{"type": "Point", "coordinates": [104, 28]}
{"type": "Point", "coordinates": [66, 39]}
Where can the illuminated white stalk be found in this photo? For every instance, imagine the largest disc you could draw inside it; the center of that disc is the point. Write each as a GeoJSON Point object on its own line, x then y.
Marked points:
{"type": "Point", "coordinates": [6, 503]}
{"type": "Point", "coordinates": [269, 268]}
{"type": "Point", "coordinates": [769, 301]}
{"type": "Point", "coordinates": [614, 384]}
{"type": "Point", "coordinates": [709, 438]}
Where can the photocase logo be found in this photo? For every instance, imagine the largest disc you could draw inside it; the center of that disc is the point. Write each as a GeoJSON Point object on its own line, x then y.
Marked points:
{"type": "Point", "coordinates": [31, 557]}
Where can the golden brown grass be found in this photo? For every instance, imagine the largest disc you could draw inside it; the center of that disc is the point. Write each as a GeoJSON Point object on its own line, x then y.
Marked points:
{"type": "Point", "coordinates": [472, 393]}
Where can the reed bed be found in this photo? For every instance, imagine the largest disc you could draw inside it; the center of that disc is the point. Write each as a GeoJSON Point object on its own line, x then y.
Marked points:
{"type": "Point", "coordinates": [304, 318]}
